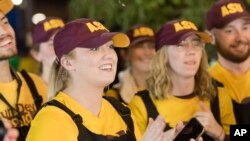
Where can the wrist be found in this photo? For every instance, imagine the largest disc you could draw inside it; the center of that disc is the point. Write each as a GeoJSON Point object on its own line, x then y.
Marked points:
{"type": "Point", "coordinates": [220, 136]}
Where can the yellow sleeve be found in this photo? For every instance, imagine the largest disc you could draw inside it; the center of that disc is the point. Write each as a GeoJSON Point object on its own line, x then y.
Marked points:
{"type": "Point", "coordinates": [41, 86]}
{"type": "Point", "coordinates": [52, 124]}
{"type": "Point", "coordinates": [139, 111]}
{"type": "Point", "coordinates": [226, 110]}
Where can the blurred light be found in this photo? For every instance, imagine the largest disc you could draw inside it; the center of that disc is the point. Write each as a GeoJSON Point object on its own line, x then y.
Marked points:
{"type": "Point", "coordinates": [17, 2]}
{"type": "Point", "coordinates": [38, 17]}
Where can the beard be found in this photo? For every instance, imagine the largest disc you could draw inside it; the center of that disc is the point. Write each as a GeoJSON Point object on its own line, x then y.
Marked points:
{"type": "Point", "coordinates": [230, 55]}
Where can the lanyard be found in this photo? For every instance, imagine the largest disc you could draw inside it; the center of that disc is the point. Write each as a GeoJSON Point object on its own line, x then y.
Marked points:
{"type": "Point", "coordinates": [19, 84]}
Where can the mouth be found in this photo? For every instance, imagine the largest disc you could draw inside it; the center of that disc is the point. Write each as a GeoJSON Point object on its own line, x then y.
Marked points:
{"type": "Point", "coordinates": [5, 43]}
{"type": "Point", "coordinates": [190, 62]}
{"type": "Point", "coordinates": [106, 67]}
{"type": "Point", "coordinates": [145, 60]}
{"type": "Point", "coordinates": [240, 46]}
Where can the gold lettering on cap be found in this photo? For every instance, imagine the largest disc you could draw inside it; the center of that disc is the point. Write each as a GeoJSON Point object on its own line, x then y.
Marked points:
{"type": "Point", "coordinates": [231, 8]}
{"type": "Point", "coordinates": [95, 26]}
{"type": "Point", "coordinates": [184, 25]}
{"type": "Point", "coordinates": [53, 23]}
{"type": "Point", "coordinates": [143, 31]}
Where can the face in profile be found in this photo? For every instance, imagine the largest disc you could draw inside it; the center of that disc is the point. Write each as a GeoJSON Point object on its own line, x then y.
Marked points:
{"type": "Point", "coordinates": [184, 58]}
{"type": "Point", "coordinates": [45, 52]}
{"type": "Point", "coordinates": [141, 54]}
{"type": "Point", "coordinates": [7, 39]}
{"type": "Point", "coordinates": [233, 41]}
{"type": "Point", "coordinates": [96, 66]}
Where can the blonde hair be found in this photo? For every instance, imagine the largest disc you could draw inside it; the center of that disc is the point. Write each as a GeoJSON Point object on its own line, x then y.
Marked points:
{"type": "Point", "coordinates": [159, 82]}
{"type": "Point", "coordinates": [59, 77]}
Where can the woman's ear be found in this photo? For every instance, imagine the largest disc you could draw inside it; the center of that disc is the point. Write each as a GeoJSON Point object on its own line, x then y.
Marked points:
{"type": "Point", "coordinates": [36, 55]}
{"type": "Point", "coordinates": [211, 33]}
{"type": "Point", "coordinates": [67, 63]}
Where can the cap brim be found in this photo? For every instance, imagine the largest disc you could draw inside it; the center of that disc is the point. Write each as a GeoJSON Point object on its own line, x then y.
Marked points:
{"type": "Point", "coordinates": [120, 40]}
{"type": "Point", "coordinates": [141, 39]}
{"type": "Point", "coordinates": [6, 6]}
{"type": "Point", "coordinates": [203, 35]}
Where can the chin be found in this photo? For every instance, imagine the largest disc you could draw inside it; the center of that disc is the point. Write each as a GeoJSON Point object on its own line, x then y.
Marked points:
{"type": "Point", "coordinates": [107, 82]}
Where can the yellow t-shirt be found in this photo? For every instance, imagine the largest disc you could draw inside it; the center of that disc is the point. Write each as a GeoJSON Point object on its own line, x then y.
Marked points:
{"type": "Point", "coordinates": [238, 84]}
{"type": "Point", "coordinates": [25, 104]}
{"type": "Point", "coordinates": [54, 124]}
{"type": "Point", "coordinates": [176, 109]}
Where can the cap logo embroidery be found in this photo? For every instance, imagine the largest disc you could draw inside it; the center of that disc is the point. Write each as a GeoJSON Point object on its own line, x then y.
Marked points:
{"type": "Point", "coordinates": [95, 26]}
{"type": "Point", "coordinates": [53, 23]}
{"type": "Point", "coordinates": [231, 8]}
{"type": "Point", "coordinates": [143, 31]}
{"type": "Point", "coordinates": [184, 25]}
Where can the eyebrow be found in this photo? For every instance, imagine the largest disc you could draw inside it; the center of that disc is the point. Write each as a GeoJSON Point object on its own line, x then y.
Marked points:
{"type": "Point", "coordinates": [3, 18]}
{"type": "Point", "coordinates": [246, 22]}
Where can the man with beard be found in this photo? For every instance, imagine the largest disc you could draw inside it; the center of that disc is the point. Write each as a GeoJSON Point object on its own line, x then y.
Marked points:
{"type": "Point", "coordinates": [20, 96]}
{"type": "Point", "coordinates": [229, 23]}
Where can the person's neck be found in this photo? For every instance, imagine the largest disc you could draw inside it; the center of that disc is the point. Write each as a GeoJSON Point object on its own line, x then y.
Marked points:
{"type": "Point", "coordinates": [45, 73]}
{"type": "Point", "coordinates": [235, 68]}
{"type": "Point", "coordinates": [139, 78]}
{"type": "Point", "coordinates": [182, 87]}
{"type": "Point", "coordinates": [88, 96]}
{"type": "Point", "coordinates": [5, 73]}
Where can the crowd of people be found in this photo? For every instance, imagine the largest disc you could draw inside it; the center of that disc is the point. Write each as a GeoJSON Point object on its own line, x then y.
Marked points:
{"type": "Point", "coordinates": [167, 80]}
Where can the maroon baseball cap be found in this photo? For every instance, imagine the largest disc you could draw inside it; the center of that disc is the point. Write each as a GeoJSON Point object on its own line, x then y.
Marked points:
{"type": "Point", "coordinates": [6, 6]}
{"type": "Point", "coordinates": [225, 11]}
{"type": "Point", "coordinates": [140, 33]}
{"type": "Point", "coordinates": [86, 33]}
{"type": "Point", "coordinates": [44, 29]}
{"type": "Point", "coordinates": [173, 32]}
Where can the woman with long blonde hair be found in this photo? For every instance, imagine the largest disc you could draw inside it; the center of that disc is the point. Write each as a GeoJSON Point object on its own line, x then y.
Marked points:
{"type": "Point", "coordinates": [179, 85]}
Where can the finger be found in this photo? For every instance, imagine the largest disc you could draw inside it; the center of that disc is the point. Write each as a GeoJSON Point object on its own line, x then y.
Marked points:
{"type": "Point", "coordinates": [13, 133]}
{"type": "Point", "coordinates": [6, 123]}
{"type": "Point", "coordinates": [179, 127]}
{"type": "Point", "coordinates": [200, 139]}
{"type": "Point", "coordinates": [150, 122]}
{"type": "Point", "coordinates": [203, 107]}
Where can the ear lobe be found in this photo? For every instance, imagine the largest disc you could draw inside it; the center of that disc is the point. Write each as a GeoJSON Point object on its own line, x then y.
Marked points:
{"type": "Point", "coordinates": [35, 54]}
{"type": "Point", "coordinates": [66, 63]}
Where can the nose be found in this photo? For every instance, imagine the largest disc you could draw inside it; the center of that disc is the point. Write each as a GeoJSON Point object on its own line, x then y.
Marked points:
{"type": "Point", "coordinates": [240, 36]}
{"type": "Point", "coordinates": [190, 48]}
{"type": "Point", "coordinates": [108, 52]}
{"type": "Point", "coordinates": [148, 50]}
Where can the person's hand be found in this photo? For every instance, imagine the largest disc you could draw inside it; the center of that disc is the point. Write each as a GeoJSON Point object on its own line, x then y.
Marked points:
{"type": "Point", "coordinates": [154, 131]}
{"type": "Point", "coordinates": [178, 129]}
{"type": "Point", "coordinates": [12, 133]}
{"type": "Point", "coordinates": [212, 128]}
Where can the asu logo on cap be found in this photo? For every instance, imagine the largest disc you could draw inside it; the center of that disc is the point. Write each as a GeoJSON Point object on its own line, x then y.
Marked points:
{"type": "Point", "coordinates": [231, 8]}
{"type": "Point", "coordinates": [52, 24]}
{"type": "Point", "coordinates": [95, 26]}
{"type": "Point", "coordinates": [44, 29]}
{"type": "Point", "coordinates": [184, 25]}
{"type": "Point", "coordinates": [173, 32]}
{"type": "Point", "coordinates": [222, 12]}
